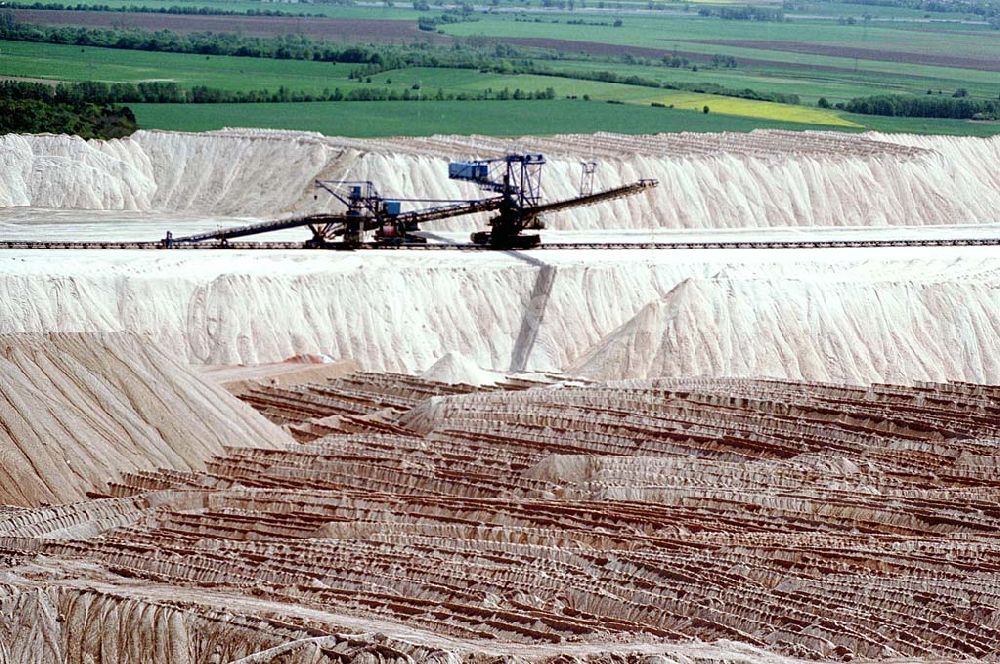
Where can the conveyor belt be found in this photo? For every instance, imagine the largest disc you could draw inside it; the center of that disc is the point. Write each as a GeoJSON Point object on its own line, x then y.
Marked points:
{"type": "Point", "coordinates": [599, 197]}
{"type": "Point", "coordinates": [257, 228]}
{"type": "Point", "coordinates": [455, 209]}
{"type": "Point", "coordinates": [763, 244]}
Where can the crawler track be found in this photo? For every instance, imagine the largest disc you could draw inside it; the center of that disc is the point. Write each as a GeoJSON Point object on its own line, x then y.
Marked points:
{"type": "Point", "coordinates": [771, 244]}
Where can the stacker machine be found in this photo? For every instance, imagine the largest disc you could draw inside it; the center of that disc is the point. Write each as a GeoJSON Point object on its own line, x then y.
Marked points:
{"type": "Point", "coordinates": [517, 207]}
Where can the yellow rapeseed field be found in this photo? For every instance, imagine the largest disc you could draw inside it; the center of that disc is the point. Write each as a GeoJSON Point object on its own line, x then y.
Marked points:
{"type": "Point", "coordinates": [752, 108]}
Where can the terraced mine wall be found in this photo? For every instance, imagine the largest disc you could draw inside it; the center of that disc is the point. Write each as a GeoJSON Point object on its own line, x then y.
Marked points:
{"type": "Point", "coordinates": [760, 179]}
{"type": "Point", "coordinates": [633, 523]}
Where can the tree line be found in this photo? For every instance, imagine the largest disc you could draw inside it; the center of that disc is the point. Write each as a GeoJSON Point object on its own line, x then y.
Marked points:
{"type": "Point", "coordinates": [929, 106]}
{"type": "Point", "coordinates": [145, 9]}
{"type": "Point", "coordinates": [747, 13]}
{"type": "Point", "coordinates": [704, 88]}
{"type": "Point", "coordinates": [96, 92]}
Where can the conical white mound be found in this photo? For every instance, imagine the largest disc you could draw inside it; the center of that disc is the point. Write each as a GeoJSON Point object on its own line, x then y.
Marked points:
{"type": "Point", "coordinates": [826, 331]}
{"type": "Point", "coordinates": [453, 367]}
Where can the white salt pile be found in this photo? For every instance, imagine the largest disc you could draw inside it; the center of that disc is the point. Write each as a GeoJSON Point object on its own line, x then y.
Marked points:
{"type": "Point", "coordinates": [77, 411]}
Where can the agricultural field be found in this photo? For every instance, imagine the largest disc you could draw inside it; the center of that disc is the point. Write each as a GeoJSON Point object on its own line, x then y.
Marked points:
{"type": "Point", "coordinates": [751, 108]}
{"type": "Point", "coordinates": [814, 54]}
{"type": "Point", "coordinates": [63, 62]}
{"type": "Point", "coordinates": [335, 29]}
{"type": "Point", "coordinates": [499, 118]}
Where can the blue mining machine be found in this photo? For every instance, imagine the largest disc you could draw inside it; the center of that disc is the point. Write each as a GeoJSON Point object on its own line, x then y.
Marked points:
{"type": "Point", "coordinates": [517, 207]}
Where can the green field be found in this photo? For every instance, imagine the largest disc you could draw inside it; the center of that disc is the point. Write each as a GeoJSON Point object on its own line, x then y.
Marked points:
{"type": "Point", "coordinates": [689, 34]}
{"type": "Point", "coordinates": [74, 63]}
{"type": "Point", "coordinates": [954, 55]}
{"type": "Point", "coordinates": [500, 118]}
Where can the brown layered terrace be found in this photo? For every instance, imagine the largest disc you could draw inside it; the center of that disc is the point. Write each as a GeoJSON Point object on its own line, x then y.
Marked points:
{"type": "Point", "coordinates": [646, 521]}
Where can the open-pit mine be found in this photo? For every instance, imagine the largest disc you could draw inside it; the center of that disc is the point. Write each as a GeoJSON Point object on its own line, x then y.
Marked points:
{"type": "Point", "coordinates": [741, 403]}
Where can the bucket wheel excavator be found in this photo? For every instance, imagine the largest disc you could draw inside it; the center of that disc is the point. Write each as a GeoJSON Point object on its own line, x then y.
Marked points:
{"type": "Point", "coordinates": [517, 207]}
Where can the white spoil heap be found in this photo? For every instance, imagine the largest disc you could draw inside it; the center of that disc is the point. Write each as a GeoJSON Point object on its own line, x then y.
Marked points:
{"type": "Point", "coordinates": [855, 315]}
{"type": "Point", "coordinates": [761, 179]}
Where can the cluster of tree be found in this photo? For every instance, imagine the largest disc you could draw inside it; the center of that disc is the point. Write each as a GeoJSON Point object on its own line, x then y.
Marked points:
{"type": "Point", "coordinates": [744, 93]}
{"type": "Point", "coordinates": [431, 23]}
{"type": "Point", "coordinates": [912, 106]}
{"type": "Point", "coordinates": [674, 61]}
{"type": "Point", "coordinates": [105, 94]}
{"type": "Point", "coordinates": [146, 9]}
{"type": "Point", "coordinates": [580, 21]}
{"type": "Point", "coordinates": [462, 14]}
{"type": "Point", "coordinates": [747, 13]}
{"type": "Point", "coordinates": [602, 76]}
{"type": "Point", "coordinates": [719, 61]}
{"type": "Point", "coordinates": [86, 120]}
{"type": "Point", "coordinates": [850, 20]}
